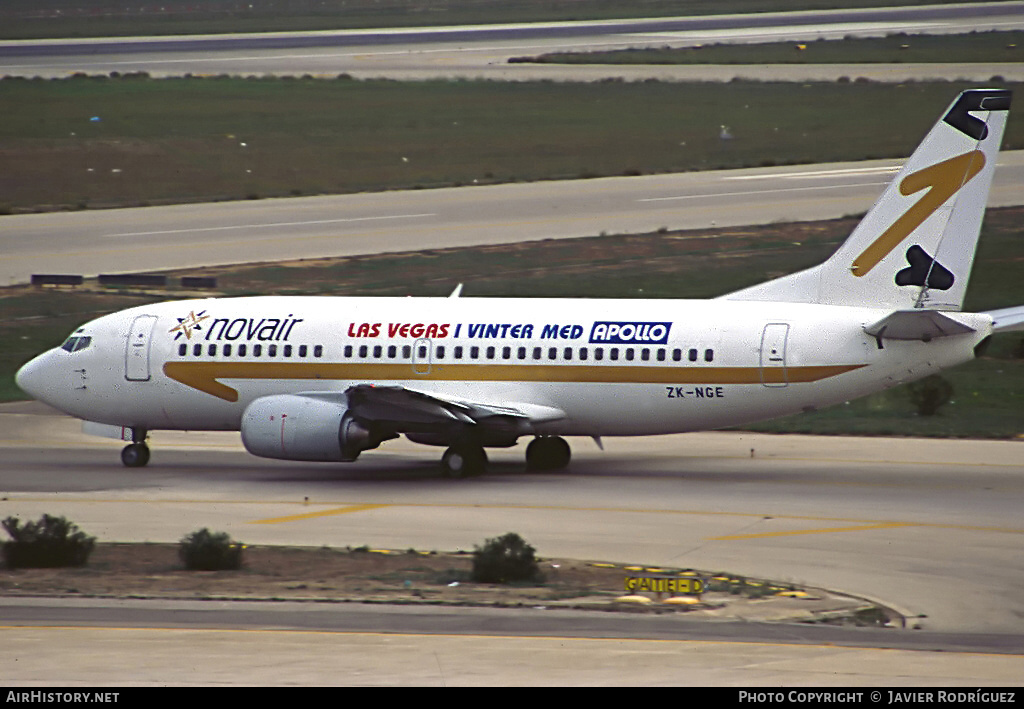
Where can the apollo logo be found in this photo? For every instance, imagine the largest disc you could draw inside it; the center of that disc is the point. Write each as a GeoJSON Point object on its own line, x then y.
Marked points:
{"type": "Point", "coordinates": [630, 333]}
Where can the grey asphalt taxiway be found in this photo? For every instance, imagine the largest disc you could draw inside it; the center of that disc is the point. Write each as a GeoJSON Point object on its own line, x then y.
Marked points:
{"type": "Point", "coordinates": [484, 51]}
{"type": "Point", "coordinates": [192, 235]}
{"type": "Point", "coordinates": [929, 527]}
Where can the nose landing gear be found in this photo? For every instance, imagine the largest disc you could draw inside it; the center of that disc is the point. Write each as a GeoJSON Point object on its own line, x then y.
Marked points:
{"type": "Point", "coordinates": [136, 453]}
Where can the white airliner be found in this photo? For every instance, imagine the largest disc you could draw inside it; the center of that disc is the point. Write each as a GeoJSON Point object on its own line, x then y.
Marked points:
{"type": "Point", "coordinates": [325, 378]}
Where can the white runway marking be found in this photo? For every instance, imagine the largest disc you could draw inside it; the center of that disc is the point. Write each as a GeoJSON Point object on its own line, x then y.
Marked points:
{"type": "Point", "coordinates": [818, 173]}
{"type": "Point", "coordinates": [268, 226]}
{"type": "Point", "coordinates": [753, 192]}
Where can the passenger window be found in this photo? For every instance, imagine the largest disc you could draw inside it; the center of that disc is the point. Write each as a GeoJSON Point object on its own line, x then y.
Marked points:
{"type": "Point", "coordinates": [474, 352]}
{"type": "Point", "coordinates": [318, 351]}
{"type": "Point", "coordinates": [629, 354]}
{"type": "Point", "coordinates": [661, 355]}
{"type": "Point", "coordinates": [536, 352]}
{"type": "Point", "coordinates": [583, 353]}
{"type": "Point", "coordinates": [693, 355]}
{"type": "Point", "coordinates": [458, 352]}
{"type": "Point", "coordinates": [521, 353]}
{"type": "Point", "coordinates": [378, 350]}
{"type": "Point", "coordinates": [392, 351]}
{"type": "Point", "coordinates": [490, 353]}
{"type": "Point", "coordinates": [421, 352]}
{"type": "Point", "coordinates": [257, 350]}
{"type": "Point", "coordinates": [363, 351]}
{"type": "Point", "coordinates": [227, 350]}
{"type": "Point", "coordinates": [506, 353]}
{"type": "Point", "coordinates": [645, 355]}
{"type": "Point", "coordinates": [182, 349]}
{"type": "Point", "coordinates": [709, 355]}
{"type": "Point", "coordinates": [406, 351]}
{"type": "Point", "coordinates": [211, 350]}
{"type": "Point", "coordinates": [614, 353]}
{"type": "Point", "coordinates": [303, 351]}
{"type": "Point", "coordinates": [271, 350]}
{"type": "Point", "coordinates": [197, 350]}
{"type": "Point", "coordinates": [440, 351]}
{"type": "Point", "coordinates": [568, 354]}
{"type": "Point", "coordinates": [677, 355]}
{"type": "Point", "coordinates": [599, 353]}
{"type": "Point", "coordinates": [242, 350]}
{"type": "Point", "coordinates": [553, 353]}
{"type": "Point", "coordinates": [287, 350]}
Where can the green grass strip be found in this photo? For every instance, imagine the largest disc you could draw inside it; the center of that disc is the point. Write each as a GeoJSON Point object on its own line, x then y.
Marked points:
{"type": "Point", "coordinates": [975, 47]}
{"type": "Point", "coordinates": [100, 142]}
{"type": "Point", "coordinates": [21, 19]}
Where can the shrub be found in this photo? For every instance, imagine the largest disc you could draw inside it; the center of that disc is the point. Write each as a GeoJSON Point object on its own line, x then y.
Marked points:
{"type": "Point", "coordinates": [49, 543]}
{"type": "Point", "coordinates": [929, 394]}
{"type": "Point", "coordinates": [1018, 351]}
{"type": "Point", "coordinates": [505, 559]}
{"type": "Point", "coordinates": [208, 551]}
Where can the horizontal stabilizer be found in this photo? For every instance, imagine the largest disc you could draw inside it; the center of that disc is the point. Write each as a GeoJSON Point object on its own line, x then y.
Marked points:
{"type": "Point", "coordinates": [1007, 319]}
{"type": "Point", "coordinates": [916, 325]}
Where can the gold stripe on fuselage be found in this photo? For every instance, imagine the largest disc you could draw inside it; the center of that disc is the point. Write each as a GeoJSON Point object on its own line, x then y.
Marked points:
{"type": "Point", "coordinates": [205, 376]}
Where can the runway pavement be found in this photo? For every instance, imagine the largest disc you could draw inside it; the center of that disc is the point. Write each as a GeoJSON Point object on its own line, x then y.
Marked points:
{"type": "Point", "coordinates": [931, 527]}
{"type": "Point", "coordinates": [186, 236]}
{"type": "Point", "coordinates": [483, 52]}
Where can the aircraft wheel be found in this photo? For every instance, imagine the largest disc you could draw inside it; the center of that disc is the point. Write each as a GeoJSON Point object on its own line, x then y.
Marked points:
{"type": "Point", "coordinates": [548, 453]}
{"type": "Point", "coordinates": [135, 455]}
{"type": "Point", "coordinates": [464, 461]}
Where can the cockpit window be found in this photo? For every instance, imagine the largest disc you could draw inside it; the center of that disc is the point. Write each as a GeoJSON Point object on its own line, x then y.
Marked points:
{"type": "Point", "coordinates": [76, 344]}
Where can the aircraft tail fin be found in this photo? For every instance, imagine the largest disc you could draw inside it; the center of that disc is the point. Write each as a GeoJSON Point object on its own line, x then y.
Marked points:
{"type": "Point", "coordinates": [915, 247]}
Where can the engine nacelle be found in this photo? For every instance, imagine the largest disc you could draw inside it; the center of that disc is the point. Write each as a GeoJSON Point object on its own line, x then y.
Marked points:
{"type": "Point", "coordinates": [292, 427]}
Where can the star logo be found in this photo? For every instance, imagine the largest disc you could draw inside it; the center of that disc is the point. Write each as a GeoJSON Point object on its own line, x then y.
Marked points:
{"type": "Point", "coordinates": [186, 326]}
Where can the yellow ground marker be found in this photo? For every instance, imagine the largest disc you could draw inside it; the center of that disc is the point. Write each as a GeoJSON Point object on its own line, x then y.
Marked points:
{"type": "Point", "coordinates": [321, 513]}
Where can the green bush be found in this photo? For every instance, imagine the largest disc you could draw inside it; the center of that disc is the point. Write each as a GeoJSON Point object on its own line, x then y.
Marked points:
{"type": "Point", "coordinates": [49, 543]}
{"type": "Point", "coordinates": [208, 551]}
{"type": "Point", "coordinates": [505, 559]}
{"type": "Point", "coordinates": [1018, 350]}
{"type": "Point", "coordinates": [929, 394]}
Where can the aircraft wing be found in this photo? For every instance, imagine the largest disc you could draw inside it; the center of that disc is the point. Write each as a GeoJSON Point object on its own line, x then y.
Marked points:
{"type": "Point", "coordinates": [916, 325]}
{"type": "Point", "coordinates": [1007, 319]}
{"type": "Point", "coordinates": [408, 409]}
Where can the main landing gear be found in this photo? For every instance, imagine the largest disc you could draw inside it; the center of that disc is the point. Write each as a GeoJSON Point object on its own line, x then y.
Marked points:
{"type": "Point", "coordinates": [464, 461]}
{"type": "Point", "coordinates": [468, 460]}
{"type": "Point", "coordinates": [136, 453]}
{"type": "Point", "coordinates": [547, 453]}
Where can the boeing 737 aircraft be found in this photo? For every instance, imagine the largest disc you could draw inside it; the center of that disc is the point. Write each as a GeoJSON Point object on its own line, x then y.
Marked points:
{"type": "Point", "coordinates": [326, 378]}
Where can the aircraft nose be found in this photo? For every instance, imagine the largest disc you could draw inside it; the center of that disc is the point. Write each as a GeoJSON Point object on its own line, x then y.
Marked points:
{"type": "Point", "coordinates": [34, 375]}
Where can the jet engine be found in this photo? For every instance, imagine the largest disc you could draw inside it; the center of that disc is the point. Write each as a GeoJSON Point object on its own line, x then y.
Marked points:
{"type": "Point", "coordinates": [296, 427]}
